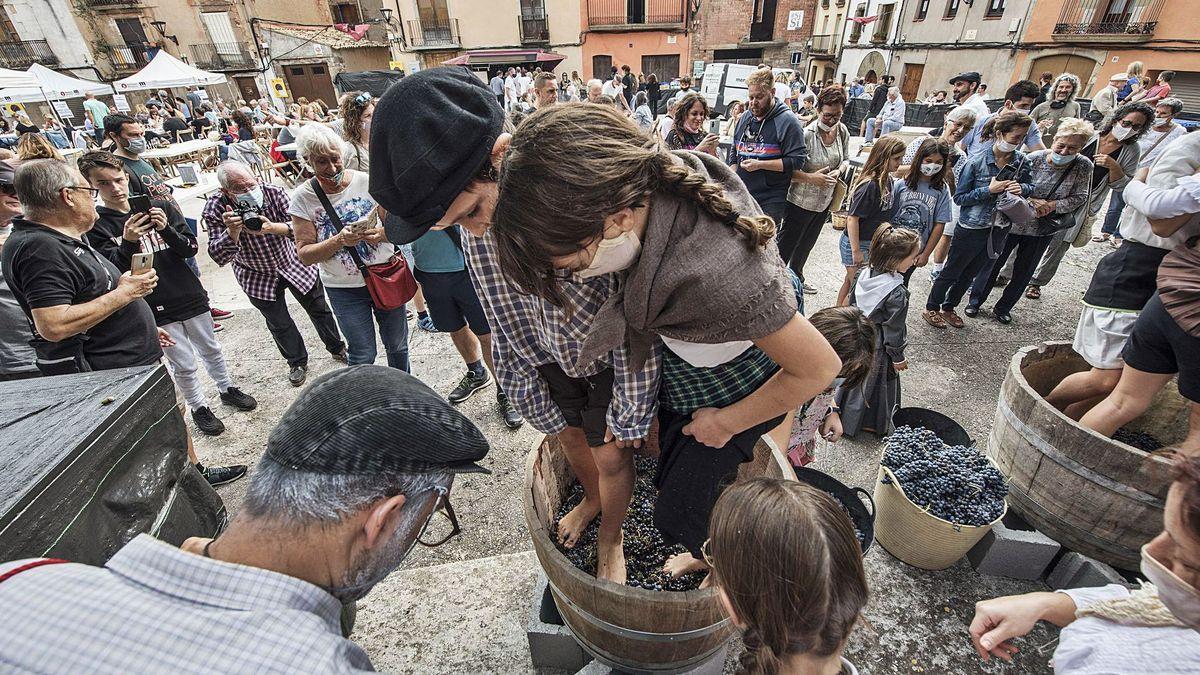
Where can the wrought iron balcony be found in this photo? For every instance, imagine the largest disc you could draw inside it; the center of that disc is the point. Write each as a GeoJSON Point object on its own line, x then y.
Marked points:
{"type": "Point", "coordinates": [434, 35]}
{"type": "Point", "coordinates": [112, 4]}
{"type": "Point", "coordinates": [535, 28]}
{"type": "Point", "coordinates": [222, 56]}
{"type": "Point", "coordinates": [823, 44]}
{"type": "Point", "coordinates": [636, 14]}
{"type": "Point", "coordinates": [1100, 20]}
{"type": "Point", "coordinates": [127, 58]}
{"type": "Point", "coordinates": [21, 55]}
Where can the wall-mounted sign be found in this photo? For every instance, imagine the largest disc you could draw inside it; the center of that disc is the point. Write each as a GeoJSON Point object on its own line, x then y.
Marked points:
{"type": "Point", "coordinates": [795, 19]}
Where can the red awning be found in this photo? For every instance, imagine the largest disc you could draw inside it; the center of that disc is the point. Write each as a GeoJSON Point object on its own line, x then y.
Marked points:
{"type": "Point", "coordinates": [491, 57]}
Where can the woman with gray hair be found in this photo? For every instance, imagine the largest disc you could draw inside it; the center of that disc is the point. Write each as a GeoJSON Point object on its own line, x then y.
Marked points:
{"type": "Point", "coordinates": [1060, 178]}
{"type": "Point", "coordinates": [340, 238]}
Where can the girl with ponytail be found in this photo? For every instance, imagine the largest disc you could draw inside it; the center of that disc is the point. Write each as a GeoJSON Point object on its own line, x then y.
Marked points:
{"type": "Point", "coordinates": [788, 571]}
{"type": "Point", "coordinates": [584, 192]}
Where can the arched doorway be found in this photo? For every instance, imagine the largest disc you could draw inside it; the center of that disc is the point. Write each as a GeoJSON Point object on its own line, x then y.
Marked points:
{"type": "Point", "coordinates": [872, 66]}
{"type": "Point", "coordinates": [1079, 66]}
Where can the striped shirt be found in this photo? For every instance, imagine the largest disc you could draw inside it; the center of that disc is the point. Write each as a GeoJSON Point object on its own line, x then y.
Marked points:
{"type": "Point", "coordinates": [529, 332]}
{"type": "Point", "coordinates": [156, 609]}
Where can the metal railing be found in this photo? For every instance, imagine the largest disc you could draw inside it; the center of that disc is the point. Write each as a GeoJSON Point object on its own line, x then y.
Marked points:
{"type": "Point", "coordinates": [222, 56]}
{"type": "Point", "coordinates": [432, 35]}
{"type": "Point", "coordinates": [21, 55]}
{"type": "Point", "coordinates": [823, 44]}
{"type": "Point", "coordinates": [112, 3]}
{"type": "Point", "coordinates": [535, 28]}
{"type": "Point", "coordinates": [127, 58]}
{"type": "Point", "coordinates": [636, 12]}
{"type": "Point", "coordinates": [1093, 17]}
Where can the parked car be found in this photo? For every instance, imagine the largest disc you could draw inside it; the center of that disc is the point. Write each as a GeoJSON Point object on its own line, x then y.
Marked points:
{"type": "Point", "coordinates": [726, 82]}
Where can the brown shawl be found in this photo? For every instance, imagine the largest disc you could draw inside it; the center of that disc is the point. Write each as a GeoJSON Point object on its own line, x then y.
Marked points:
{"type": "Point", "coordinates": [1179, 286]}
{"type": "Point", "coordinates": [695, 279]}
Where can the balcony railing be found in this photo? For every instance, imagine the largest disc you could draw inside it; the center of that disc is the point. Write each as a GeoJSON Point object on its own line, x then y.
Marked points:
{"type": "Point", "coordinates": [535, 28]}
{"type": "Point", "coordinates": [1093, 19]}
{"type": "Point", "coordinates": [112, 3]}
{"type": "Point", "coordinates": [627, 14]}
{"type": "Point", "coordinates": [222, 56]}
{"type": "Point", "coordinates": [21, 55]}
{"type": "Point", "coordinates": [823, 44]}
{"type": "Point", "coordinates": [128, 58]}
{"type": "Point", "coordinates": [434, 35]}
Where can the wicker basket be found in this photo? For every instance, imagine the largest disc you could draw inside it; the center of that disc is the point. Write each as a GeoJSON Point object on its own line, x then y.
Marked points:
{"type": "Point", "coordinates": [839, 219]}
{"type": "Point", "coordinates": [918, 538]}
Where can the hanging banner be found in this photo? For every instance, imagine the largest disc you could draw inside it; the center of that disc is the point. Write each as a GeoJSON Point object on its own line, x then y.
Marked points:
{"type": "Point", "coordinates": [14, 109]}
{"type": "Point", "coordinates": [121, 103]}
{"type": "Point", "coordinates": [61, 108]}
{"type": "Point", "coordinates": [279, 87]}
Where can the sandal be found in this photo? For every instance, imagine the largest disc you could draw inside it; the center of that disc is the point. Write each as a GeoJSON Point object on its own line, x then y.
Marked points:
{"type": "Point", "coordinates": [951, 317]}
{"type": "Point", "coordinates": [1101, 237]}
{"type": "Point", "coordinates": [1033, 293]}
{"type": "Point", "coordinates": [934, 319]}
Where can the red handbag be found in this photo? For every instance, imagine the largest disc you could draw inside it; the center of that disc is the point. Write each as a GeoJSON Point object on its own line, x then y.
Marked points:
{"type": "Point", "coordinates": [391, 284]}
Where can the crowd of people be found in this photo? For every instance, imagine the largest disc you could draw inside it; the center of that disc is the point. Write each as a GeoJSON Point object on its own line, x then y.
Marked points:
{"type": "Point", "coordinates": [596, 323]}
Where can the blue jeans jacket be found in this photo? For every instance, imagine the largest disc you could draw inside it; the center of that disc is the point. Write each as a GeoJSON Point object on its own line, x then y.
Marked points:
{"type": "Point", "coordinates": [972, 194]}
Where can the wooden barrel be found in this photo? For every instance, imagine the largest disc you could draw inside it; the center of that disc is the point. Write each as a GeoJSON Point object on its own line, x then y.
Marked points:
{"type": "Point", "coordinates": [631, 629]}
{"type": "Point", "coordinates": [1092, 494]}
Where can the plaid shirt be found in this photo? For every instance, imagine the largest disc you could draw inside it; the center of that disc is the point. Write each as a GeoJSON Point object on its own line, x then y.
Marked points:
{"type": "Point", "coordinates": [529, 332]}
{"type": "Point", "coordinates": [258, 260]}
{"type": "Point", "coordinates": [156, 609]}
{"type": "Point", "coordinates": [687, 388]}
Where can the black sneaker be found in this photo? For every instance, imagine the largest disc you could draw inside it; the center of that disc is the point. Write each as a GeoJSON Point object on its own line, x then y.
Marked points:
{"type": "Point", "coordinates": [298, 375]}
{"type": "Point", "coordinates": [220, 475]}
{"type": "Point", "coordinates": [341, 357]}
{"type": "Point", "coordinates": [468, 385]}
{"type": "Point", "coordinates": [512, 419]}
{"type": "Point", "coordinates": [238, 399]}
{"type": "Point", "coordinates": [971, 311]}
{"type": "Point", "coordinates": [207, 422]}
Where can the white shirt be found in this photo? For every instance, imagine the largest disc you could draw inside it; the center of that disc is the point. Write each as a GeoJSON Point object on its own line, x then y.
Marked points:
{"type": "Point", "coordinates": [893, 111]}
{"type": "Point", "coordinates": [510, 87]}
{"type": "Point", "coordinates": [613, 89]}
{"type": "Point", "coordinates": [1179, 162]}
{"type": "Point", "coordinates": [1150, 145]}
{"type": "Point", "coordinates": [976, 103]}
{"type": "Point", "coordinates": [782, 91]}
{"type": "Point", "coordinates": [1095, 646]}
{"type": "Point", "coordinates": [706, 355]}
{"type": "Point", "coordinates": [351, 204]}
{"type": "Point", "coordinates": [523, 84]}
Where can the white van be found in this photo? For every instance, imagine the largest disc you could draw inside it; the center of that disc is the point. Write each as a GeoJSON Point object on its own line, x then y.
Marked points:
{"type": "Point", "coordinates": [724, 83]}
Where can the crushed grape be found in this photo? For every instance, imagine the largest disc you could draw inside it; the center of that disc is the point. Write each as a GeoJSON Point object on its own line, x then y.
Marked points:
{"type": "Point", "coordinates": [1138, 439]}
{"type": "Point", "coordinates": [953, 482]}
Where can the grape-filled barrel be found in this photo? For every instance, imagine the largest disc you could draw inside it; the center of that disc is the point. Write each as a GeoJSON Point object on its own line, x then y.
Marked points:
{"type": "Point", "coordinates": [1090, 493]}
{"type": "Point", "coordinates": [631, 629]}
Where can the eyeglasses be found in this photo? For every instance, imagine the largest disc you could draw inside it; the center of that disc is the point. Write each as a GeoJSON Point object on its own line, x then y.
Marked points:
{"type": "Point", "coordinates": [94, 191]}
{"type": "Point", "coordinates": [439, 530]}
{"type": "Point", "coordinates": [362, 98]}
{"type": "Point", "coordinates": [1129, 124]}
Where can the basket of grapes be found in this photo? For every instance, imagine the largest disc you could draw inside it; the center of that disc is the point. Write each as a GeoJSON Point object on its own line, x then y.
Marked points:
{"type": "Point", "coordinates": [934, 501]}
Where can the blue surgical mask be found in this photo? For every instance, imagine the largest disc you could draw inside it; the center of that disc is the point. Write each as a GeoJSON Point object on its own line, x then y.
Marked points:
{"type": "Point", "coordinates": [253, 198]}
{"type": "Point", "coordinates": [1061, 160]}
{"type": "Point", "coordinates": [136, 146]}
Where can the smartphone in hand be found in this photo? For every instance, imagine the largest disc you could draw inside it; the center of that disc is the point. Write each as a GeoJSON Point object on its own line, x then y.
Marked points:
{"type": "Point", "coordinates": [139, 204]}
{"type": "Point", "coordinates": [141, 263]}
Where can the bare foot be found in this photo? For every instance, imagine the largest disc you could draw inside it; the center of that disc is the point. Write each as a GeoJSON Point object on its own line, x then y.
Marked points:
{"type": "Point", "coordinates": [610, 561]}
{"type": "Point", "coordinates": [683, 563]}
{"type": "Point", "coordinates": [572, 525]}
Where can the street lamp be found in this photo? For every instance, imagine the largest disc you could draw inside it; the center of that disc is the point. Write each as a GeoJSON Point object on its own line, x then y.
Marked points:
{"type": "Point", "coordinates": [161, 27]}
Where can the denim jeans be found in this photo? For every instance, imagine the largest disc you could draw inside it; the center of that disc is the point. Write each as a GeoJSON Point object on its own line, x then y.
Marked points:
{"type": "Point", "coordinates": [967, 263]}
{"type": "Point", "coordinates": [1112, 220]}
{"type": "Point", "coordinates": [885, 127]}
{"type": "Point", "coordinates": [354, 310]}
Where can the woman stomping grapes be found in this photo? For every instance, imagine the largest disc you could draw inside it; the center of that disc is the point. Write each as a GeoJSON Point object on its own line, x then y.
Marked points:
{"type": "Point", "coordinates": [701, 273]}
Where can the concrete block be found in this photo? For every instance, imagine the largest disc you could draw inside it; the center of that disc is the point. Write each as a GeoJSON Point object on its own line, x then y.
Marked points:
{"type": "Point", "coordinates": [1013, 549]}
{"type": "Point", "coordinates": [551, 645]}
{"type": "Point", "coordinates": [1076, 570]}
{"type": "Point", "coordinates": [715, 665]}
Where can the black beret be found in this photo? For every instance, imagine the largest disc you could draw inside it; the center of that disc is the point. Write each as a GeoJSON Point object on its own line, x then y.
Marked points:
{"type": "Point", "coordinates": [370, 419]}
{"type": "Point", "coordinates": [969, 76]}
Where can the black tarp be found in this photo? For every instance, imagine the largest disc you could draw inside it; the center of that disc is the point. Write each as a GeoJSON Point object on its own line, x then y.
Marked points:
{"type": "Point", "coordinates": [89, 461]}
{"type": "Point", "coordinates": [374, 81]}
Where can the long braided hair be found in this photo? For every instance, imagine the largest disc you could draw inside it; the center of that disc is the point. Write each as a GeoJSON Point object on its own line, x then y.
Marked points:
{"type": "Point", "coordinates": [570, 167]}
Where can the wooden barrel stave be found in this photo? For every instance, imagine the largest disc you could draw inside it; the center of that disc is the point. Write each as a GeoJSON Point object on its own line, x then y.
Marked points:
{"type": "Point", "coordinates": [548, 477]}
{"type": "Point", "coordinates": [1092, 494]}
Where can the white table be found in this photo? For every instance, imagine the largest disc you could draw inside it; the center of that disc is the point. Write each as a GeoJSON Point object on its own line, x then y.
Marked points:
{"type": "Point", "coordinates": [286, 147]}
{"type": "Point", "coordinates": [170, 155]}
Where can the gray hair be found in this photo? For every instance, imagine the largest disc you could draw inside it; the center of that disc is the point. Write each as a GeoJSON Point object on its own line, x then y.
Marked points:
{"type": "Point", "coordinates": [962, 114]}
{"type": "Point", "coordinates": [894, 90]}
{"type": "Point", "coordinates": [228, 165]}
{"type": "Point", "coordinates": [1175, 104]}
{"type": "Point", "coordinates": [39, 183]}
{"type": "Point", "coordinates": [317, 139]}
{"type": "Point", "coordinates": [283, 495]}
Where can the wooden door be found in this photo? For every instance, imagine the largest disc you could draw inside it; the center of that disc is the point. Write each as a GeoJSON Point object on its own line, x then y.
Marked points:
{"type": "Point", "coordinates": [666, 66]}
{"type": "Point", "coordinates": [910, 85]}
{"type": "Point", "coordinates": [601, 68]}
{"type": "Point", "coordinates": [762, 21]}
{"type": "Point", "coordinates": [1079, 66]}
{"type": "Point", "coordinates": [247, 88]}
{"type": "Point", "coordinates": [310, 81]}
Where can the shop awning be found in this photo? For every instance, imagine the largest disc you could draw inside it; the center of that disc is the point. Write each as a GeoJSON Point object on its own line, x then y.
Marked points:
{"type": "Point", "coordinates": [495, 57]}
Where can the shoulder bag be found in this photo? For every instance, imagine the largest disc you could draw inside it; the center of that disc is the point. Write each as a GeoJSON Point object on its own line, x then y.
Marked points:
{"type": "Point", "coordinates": [391, 283]}
{"type": "Point", "coordinates": [1057, 221]}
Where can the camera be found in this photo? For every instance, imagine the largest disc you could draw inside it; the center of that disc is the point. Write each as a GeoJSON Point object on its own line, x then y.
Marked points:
{"type": "Point", "coordinates": [250, 216]}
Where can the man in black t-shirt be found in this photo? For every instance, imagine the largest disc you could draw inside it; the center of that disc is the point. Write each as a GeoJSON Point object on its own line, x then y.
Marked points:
{"type": "Point", "coordinates": [179, 302]}
{"type": "Point", "coordinates": [85, 314]}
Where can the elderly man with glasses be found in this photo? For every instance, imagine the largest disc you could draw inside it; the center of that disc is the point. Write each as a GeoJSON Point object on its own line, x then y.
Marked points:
{"type": "Point", "coordinates": [334, 506]}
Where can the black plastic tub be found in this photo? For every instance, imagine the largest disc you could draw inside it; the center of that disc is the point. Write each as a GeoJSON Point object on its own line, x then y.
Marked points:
{"type": "Point", "coordinates": [948, 430]}
{"type": "Point", "coordinates": [850, 498]}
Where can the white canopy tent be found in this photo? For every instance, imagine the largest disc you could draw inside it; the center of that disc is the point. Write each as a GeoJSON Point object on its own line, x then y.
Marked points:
{"type": "Point", "coordinates": [16, 78]}
{"type": "Point", "coordinates": [52, 85]}
{"type": "Point", "coordinates": [165, 71]}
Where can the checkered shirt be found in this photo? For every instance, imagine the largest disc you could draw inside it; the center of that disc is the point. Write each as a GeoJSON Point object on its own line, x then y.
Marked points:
{"type": "Point", "coordinates": [686, 388]}
{"type": "Point", "coordinates": [529, 332]}
{"type": "Point", "coordinates": [259, 261]}
{"type": "Point", "coordinates": [156, 609]}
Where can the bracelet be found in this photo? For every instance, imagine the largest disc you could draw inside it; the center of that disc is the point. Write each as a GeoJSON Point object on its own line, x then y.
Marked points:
{"type": "Point", "coordinates": [833, 409]}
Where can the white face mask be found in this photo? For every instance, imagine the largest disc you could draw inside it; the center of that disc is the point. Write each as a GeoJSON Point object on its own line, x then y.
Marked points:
{"type": "Point", "coordinates": [613, 255]}
{"type": "Point", "coordinates": [253, 198]}
{"type": "Point", "coordinates": [1160, 121]}
{"type": "Point", "coordinates": [1179, 596]}
{"type": "Point", "coordinates": [1121, 133]}
{"type": "Point", "coordinates": [824, 127]}
{"type": "Point", "coordinates": [1004, 146]}
{"type": "Point", "coordinates": [1059, 159]}
{"type": "Point", "coordinates": [930, 169]}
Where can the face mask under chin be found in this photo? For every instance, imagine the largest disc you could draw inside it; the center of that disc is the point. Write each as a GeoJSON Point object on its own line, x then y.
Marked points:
{"type": "Point", "coordinates": [372, 568]}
